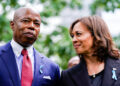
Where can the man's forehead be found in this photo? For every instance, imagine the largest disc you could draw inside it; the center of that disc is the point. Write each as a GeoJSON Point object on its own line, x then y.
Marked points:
{"type": "Point", "coordinates": [25, 11]}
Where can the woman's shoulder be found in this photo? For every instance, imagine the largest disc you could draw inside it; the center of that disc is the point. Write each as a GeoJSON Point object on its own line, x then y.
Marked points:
{"type": "Point", "coordinates": [72, 70]}
{"type": "Point", "coordinates": [113, 62]}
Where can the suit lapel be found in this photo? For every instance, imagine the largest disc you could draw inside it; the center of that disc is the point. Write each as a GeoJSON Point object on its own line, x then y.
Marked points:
{"type": "Point", "coordinates": [107, 78]}
{"type": "Point", "coordinates": [37, 62]}
{"type": "Point", "coordinates": [81, 71]}
{"type": "Point", "coordinates": [9, 59]}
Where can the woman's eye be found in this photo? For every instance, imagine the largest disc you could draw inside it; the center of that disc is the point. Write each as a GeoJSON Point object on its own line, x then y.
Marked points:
{"type": "Point", "coordinates": [72, 35]}
{"type": "Point", "coordinates": [78, 34]}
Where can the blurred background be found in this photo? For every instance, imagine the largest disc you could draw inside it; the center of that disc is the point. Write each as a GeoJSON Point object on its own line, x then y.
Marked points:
{"type": "Point", "coordinates": [57, 15]}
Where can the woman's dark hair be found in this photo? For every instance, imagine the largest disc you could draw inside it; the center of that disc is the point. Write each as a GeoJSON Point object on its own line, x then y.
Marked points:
{"type": "Point", "coordinates": [103, 44]}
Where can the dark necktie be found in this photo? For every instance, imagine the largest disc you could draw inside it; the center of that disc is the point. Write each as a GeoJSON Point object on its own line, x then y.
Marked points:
{"type": "Point", "coordinates": [26, 75]}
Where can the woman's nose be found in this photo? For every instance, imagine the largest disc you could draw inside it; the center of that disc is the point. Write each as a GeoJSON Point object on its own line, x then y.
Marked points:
{"type": "Point", "coordinates": [74, 39]}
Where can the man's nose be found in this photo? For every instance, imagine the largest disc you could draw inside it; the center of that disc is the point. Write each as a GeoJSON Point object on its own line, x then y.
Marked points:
{"type": "Point", "coordinates": [31, 26]}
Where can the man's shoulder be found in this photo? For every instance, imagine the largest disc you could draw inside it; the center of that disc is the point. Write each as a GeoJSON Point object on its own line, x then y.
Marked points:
{"type": "Point", "coordinates": [4, 46]}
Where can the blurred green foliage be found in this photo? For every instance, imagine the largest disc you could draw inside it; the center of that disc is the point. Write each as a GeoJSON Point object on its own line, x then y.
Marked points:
{"type": "Point", "coordinates": [47, 44]}
{"type": "Point", "coordinates": [116, 39]}
{"type": "Point", "coordinates": [58, 44]}
{"type": "Point", "coordinates": [51, 8]}
{"type": "Point", "coordinates": [107, 5]}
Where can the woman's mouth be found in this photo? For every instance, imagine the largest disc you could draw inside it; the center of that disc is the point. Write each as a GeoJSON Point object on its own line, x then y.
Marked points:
{"type": "Point", "coordinates": [76, 45]}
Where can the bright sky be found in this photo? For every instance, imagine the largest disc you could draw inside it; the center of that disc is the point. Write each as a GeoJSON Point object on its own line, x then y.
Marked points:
{"type": "Point", "coordinates": [113, 21]}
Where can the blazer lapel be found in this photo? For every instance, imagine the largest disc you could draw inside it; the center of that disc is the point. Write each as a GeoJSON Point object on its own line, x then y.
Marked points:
{"type": "Point", "coordinates": [79, 75]}
{"type": "Point", "coordinates": [107, 78]}
{"type": "Point", "coordinates": [9, 59]}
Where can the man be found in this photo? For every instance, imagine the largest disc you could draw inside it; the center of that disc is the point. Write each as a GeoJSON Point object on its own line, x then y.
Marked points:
{"type": "Point", "coordinates": [20, 63]}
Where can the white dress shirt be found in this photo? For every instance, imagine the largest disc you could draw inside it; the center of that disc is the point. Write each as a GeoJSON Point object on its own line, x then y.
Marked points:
{"type": "Point", "coordinates": [17, 49]}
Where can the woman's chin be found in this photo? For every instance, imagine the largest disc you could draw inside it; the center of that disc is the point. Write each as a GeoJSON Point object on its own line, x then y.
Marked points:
{"type": "Point", "coordinates": [79, 53]}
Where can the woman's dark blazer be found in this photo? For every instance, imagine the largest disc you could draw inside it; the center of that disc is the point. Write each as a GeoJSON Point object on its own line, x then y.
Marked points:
{"type": "Point", "coordinates": [78, 75]}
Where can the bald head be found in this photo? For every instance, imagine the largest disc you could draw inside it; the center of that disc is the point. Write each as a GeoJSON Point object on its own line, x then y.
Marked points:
{"type": "Point", "coordinates": [25, 26]}
{"type": "Point", "coordinates": [23, 10]}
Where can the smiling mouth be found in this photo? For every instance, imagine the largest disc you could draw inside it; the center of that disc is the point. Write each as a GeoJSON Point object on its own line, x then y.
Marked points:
{"type": "Point", "coordinates": [76, 45]}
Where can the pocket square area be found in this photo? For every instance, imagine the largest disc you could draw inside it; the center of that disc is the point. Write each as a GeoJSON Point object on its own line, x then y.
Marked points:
{"type": "Point", "coordinates": [47, 77]}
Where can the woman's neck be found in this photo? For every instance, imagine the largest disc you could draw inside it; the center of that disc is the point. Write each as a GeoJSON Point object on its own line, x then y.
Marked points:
{"type": "Point", "coordinates": [93, 65]}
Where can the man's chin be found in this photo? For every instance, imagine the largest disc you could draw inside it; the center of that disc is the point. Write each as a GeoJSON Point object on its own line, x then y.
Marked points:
{"type": "Point", "coordinates": [27, 43]}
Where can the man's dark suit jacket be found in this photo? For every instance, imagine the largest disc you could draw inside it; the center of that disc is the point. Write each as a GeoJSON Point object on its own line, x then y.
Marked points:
{"type": "Point", "coordinates": [9, 75]}
{"type": "Point", "coordinates": [78, 75]}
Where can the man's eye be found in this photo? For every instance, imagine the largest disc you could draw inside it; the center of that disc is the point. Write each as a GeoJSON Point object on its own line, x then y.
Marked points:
{"type": "Point", "coordinates": [25, 20]}
{"type": "Point", "coordinates": [37, 24]}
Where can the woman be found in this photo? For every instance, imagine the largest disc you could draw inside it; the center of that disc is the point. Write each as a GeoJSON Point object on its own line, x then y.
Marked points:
{"type": "Point", "coordinates": [99, 64]}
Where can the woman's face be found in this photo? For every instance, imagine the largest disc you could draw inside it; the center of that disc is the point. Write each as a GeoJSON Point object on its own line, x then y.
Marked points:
{"type": "Point", "coordinates": [82, 39]}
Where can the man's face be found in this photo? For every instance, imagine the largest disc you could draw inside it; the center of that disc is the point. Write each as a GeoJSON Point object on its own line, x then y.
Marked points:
{"type": "Point", "coordinates": [26, 27]}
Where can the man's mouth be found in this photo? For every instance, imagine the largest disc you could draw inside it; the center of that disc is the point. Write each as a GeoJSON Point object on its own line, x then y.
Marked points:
{"type": "Point", "coordinates": [29, 34]}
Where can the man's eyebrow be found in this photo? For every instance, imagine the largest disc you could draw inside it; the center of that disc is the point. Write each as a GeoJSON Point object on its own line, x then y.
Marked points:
{"type": "Point", "coordinates": [36, 20]}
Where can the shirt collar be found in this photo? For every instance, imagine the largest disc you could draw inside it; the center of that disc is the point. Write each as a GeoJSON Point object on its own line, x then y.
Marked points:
{"type": "Point", "coordinates": [17, 48]}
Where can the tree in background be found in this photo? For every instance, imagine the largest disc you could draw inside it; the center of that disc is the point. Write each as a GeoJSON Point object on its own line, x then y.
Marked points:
{"type": "Point", "coordinates": [61, 48]}
{"type": "Point", "coordinates": [107, 5]}
{"type": "Point", "coordinates": [58, 43]}
{"type": "Point", "coordinates": [117, 40]}
{"type": "Point", "coordinates": [51, 8]}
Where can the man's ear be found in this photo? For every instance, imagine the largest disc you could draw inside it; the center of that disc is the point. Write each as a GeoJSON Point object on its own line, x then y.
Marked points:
{"type": "Point", "coordinates": [12, 25]}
